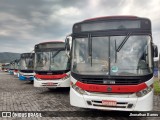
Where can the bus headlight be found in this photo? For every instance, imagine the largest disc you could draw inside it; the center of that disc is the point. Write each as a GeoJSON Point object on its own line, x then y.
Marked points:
{"type": "Point", "coordinates": [144, 91]}
{"type": "Point", "coordinates": [78, 89]}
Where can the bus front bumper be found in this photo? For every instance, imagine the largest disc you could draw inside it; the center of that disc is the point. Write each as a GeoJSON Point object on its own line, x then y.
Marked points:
{"type": "Point", "coordinates": [144, 103]}
{"type": "Point", "coordinates": [26, 78]}
{"type": "Point", "coordinates": [52, 83]}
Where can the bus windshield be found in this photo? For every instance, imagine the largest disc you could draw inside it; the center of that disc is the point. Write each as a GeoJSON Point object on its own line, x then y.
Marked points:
{"type": "Point", "coordinates": [16, 65]}
{"type": "Point", "coordinates": [133, 59]}
{"type": "Point", "coordinates": [12, 66]}
{"type": "Point", "coordinates": [26, 63]}
{"type": "Point", "coordinates": [51, 61]}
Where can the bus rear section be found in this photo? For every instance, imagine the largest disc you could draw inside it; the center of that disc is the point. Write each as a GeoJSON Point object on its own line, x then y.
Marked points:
{"type": "Point", "coordinates": [52, 65]}
{"type": "Point", "coordinates": [112, 64]}
{"type": "Point", "coordinates": [26, 67]}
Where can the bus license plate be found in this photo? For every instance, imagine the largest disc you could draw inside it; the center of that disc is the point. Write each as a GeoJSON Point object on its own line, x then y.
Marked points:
{"type": "Point", "coordinates": [50, 83]}
{"type": "Point", "coordinates": [109, 102]}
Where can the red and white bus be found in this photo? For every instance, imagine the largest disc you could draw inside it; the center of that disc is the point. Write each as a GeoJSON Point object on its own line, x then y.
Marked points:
{"type": "Point", "coordinates": [112, 64]}
{"type": "Point", "coordinates": [52, 65]}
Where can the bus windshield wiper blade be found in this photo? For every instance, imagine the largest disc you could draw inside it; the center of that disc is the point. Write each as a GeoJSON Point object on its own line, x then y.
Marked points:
{"type": "Point", "coordinates": [123, 42]}
{"type": "Point", "coordinates": [56, 53]}
{"type": "Point", "coordinates": [90, 47]}
{"type": "Point", "coordinates": [115, 51]}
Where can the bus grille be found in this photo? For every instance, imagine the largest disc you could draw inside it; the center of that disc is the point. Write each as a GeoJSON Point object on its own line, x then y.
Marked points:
{"type": "Point", "coordinates": [102, 81]}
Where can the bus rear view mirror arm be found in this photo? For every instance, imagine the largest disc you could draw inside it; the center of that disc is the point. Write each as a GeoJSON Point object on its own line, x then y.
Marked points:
{"type": "Point", "coordinates": [67, 43]}
{"type": "Point", "coordinates": [155, 50]}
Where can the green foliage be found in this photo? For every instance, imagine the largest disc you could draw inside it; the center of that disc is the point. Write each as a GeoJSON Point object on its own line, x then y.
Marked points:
{"type": "Point", "coordinates": [156, 86]}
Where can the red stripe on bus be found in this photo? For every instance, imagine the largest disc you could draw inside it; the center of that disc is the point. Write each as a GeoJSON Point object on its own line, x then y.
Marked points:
{"type": "Point", "coordinates": [112, 88]}
{"type": "Point", "coordinates": [50, 77]}
{"type": "Point", "coordinates": [15, 70]}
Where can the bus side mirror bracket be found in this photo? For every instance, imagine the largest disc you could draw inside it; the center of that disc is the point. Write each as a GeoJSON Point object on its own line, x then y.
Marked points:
{"type": "Point", "coordinates": [155, 50]}
{"type": "Point", "coordinates": [67, 43]}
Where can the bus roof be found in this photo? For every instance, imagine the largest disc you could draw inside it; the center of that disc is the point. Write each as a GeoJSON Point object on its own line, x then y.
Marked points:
{"type": "Point", "coordinates": [119, 23]}
{"type": "Point", "coordinates": [52, 41]}
{"type": "Point", "coordinates": [111, 17]}
{"type": "Point", "coordinates": [55, 44]}
{"type": "Point", "coordinates": [27, 53]}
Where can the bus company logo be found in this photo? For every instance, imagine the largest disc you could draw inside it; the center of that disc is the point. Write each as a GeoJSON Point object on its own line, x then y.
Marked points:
{"type": "Point", "coordinates": [109, 89]}
{"type": "Point", "coordinates": [6, 114]}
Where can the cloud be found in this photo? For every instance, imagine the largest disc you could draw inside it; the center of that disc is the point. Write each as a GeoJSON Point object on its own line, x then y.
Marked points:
{"type": "Point", "coordinates": [25, 23]}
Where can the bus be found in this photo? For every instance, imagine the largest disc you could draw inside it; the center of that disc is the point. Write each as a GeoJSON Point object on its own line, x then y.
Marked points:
{"type": "Point", "coordinates": [112, 64]}
{"type": "Point", "coordinates": [5, 67]}
{"type": "Point", "coordinates": [11, 67]}
{"type": "Point", "coordinates": [26, 67]}
{"type": "Point", "coordinates": [16, 67]}
{"type": "Point", "coordinates": [52, 65]}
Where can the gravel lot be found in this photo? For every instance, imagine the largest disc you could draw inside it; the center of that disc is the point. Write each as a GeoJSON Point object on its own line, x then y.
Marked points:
{"type": "Point", "coordinates": [16, 95]}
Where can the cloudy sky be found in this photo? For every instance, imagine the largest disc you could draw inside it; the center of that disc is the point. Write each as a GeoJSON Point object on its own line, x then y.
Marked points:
{"type": "Point", "coordinates": [24, 23]}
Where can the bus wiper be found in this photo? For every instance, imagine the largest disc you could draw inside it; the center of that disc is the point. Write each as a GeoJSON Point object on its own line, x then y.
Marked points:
{"type": "Point", "coordinates": [90, 47]}
{"type": "Point", "coordinates": [56, 53]}
{"type": "Point", "coordinates": [123, 42]}
{"type": "Point", "coordinates": [115, 51]}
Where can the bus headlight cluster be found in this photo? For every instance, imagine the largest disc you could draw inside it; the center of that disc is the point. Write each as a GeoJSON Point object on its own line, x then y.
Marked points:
{"type": "Point", "coordinates": [144, 91]}
{"type": "Point", "coordinates": [78, 89]}
{"type": "Point", "coordinates": [66, 77]}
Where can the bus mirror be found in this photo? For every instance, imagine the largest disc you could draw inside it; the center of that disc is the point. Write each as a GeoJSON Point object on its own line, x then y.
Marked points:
{"type": "Point", "coordinates": [67, 45]}
{"type": "Point", "coordinates": [155, 48]}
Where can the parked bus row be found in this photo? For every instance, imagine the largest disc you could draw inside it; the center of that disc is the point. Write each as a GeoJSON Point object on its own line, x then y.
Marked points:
{"type": "Point", "coordinates": [107, 62]}
{"type": "Point", "coordinates": [48, 66]}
